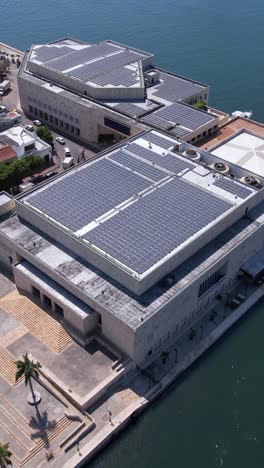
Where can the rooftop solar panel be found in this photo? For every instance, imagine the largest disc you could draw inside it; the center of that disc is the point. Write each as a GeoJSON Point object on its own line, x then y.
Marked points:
{"type": "Point", "coordinates": [78, 57]}
{"type": "Point", "coordinates": [155, 120]}
{"type": "Point", "coordinates": [158, 140]}
{"type": "Point", "coordinates": [173, 87]}
{"type": "Point", "coordinates": [137, 165]}
{"type": "Point", "coordinates": [45, 53]}
{"type": "Point", "coordinates": [104, 65]}
{"type": "Point", "coordinates": [180, 114]}
{"type": "Point", "coordinates": [233, 187]}
{"type": "Point", "coordinates": [119, 77]}
{"type": "Point", "coordinates": [132, 109]}
{"type": "Point", "coordinates": [179, 131]}
{"type": "Point", "coordinates": [84, 195]}
{"type": "Point", "coordinates": [144, 232]}
{"type": "Point", "coordinates": [170, 162]}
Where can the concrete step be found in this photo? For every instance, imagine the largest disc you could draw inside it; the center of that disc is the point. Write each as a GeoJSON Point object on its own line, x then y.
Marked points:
{"type": "Point", "coordinates": [8, 367]}
{"type": "Point", "coordinates": [41, 324]}
{"type": "Point", "coordinates": [51, 435]}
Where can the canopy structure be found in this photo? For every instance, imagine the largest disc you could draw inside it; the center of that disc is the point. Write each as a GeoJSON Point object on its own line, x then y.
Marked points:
{"type": "Point", "coordinates": [255, 266]}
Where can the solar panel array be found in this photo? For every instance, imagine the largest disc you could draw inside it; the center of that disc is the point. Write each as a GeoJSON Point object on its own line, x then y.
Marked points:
{"type": "Point", "coordinates": [119, 77]}
{"type": "Point", "coordinates": [104, 65]}
{"type": "Point", "coordinates": [179, 131]}
{"type": "Point", "coordinates": [155, 121]}
{"type": "Point", "coordinates": [84, 195]}
{"type": "Point", "coordinates": [78, 57]}
{"type": "Point", "coordinates": [169, 162]}
{"type": "Point", "coordinates": [133, 110]}
{"type": "Point", "coordinates": [173, 88]}
{"type": "Point", "coordinates": [232, 187]}
{"type": "Point", "coordinates": [158, 140]}
{"type": "Point", "coordinates": [155, 225]}
{"type": "Point", "coordinates": [178, 113]}
{"type": "Point", "coordinates": [45, 53]}
{"type": "Point", "coordinates": [139, 166]}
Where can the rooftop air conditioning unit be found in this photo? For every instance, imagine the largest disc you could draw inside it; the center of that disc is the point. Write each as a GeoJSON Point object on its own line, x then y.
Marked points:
{"type": "Point", "coordinates": [250, 180]}
{"type": "Point", "coordinates": [220, 167]}
{"type": "Point", "coordinates": [152, 76]}
{"type": "Point", "coordinates": [192, 154]}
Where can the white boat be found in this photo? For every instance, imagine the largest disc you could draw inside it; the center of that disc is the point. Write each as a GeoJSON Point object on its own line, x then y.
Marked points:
{"type": "Point", "coordinates": [246, 115]}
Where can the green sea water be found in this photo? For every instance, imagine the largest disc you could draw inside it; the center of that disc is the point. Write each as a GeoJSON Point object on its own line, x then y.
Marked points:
{"type": "Point", "coordinates": [213, 415]}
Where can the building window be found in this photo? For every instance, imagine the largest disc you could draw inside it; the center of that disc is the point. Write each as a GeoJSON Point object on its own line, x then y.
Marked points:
{"type": "Point", "coordinates": [30, 108]}
{"type": "Point", "coordinates": [47, 301]}
{"type": "Point", "coordinates": [36, 292]}
{"type": "Point", "coordinates": [58, 309]}
{"type": "Point", "coordinates": [100, 320]}
{"type": "Point", "coordinates": [117, 126]}
{"type": "Point", "coordinates": [30, 147]}
{"type": "Point", "coordinates": [77, 131]}
{"type": "Point", "coordinates": [206, 285]}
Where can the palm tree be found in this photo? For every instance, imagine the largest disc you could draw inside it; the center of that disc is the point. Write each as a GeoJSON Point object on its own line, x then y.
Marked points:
{"type": "Point", "coordinates": [5, 455]}
{"type": "Point", "coordinates": [28, 369]}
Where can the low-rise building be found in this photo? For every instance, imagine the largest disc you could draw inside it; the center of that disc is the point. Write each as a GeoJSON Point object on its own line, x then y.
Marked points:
{"type": "Point", "coordinates": [140, 241]}
{"type": "Point", "coordinates": [24, 143]}
{"type": "Point", "coordinates": [108, 92]}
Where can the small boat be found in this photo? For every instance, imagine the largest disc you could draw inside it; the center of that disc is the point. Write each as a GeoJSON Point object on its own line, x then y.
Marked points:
{"type": "Point", "coordinates": [245, 115]}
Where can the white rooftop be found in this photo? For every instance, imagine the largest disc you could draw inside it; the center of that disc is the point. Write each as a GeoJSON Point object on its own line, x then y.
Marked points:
{"type": "Point", "coordinates": [245, 150]}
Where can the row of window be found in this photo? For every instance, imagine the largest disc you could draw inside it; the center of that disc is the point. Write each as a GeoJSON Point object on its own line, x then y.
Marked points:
{"type": "Point", "coordinates": [211, 281]}
{"type": "Point", "coordinates": [54, 120]}
{"type": "Point", "coordinates": [203, 135]}
{"type": "Point", "coordinates": [47, 301]}
{"type": "Point", "coordinates": [45, 106]}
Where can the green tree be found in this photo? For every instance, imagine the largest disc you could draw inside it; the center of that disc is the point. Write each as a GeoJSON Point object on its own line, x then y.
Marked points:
{"type": "Point", "coordinates": [45, 134]}
{"type": "Point", "coordinates": [200, 104]}
{"type": "Point", "coordinates": [28, 369]}
{"type": "Point", "coordinates": [3, 66]}
{"type": "Point", "coordinates": [5, 455]}
{"type": "Point", "coordinates": [12, 174]}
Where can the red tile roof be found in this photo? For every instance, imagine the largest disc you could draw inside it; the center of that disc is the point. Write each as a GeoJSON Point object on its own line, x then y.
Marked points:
{"type": "Point", "coordinates": [7, 153]}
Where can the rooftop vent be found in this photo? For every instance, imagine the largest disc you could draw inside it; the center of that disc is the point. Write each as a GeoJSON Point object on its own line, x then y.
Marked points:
{"type": "Point", "coordinates": [192, 154]}
{"type": "Point", "coordinates": [220, 167]}
{"type": "Point", "coordinates": [250, 180]}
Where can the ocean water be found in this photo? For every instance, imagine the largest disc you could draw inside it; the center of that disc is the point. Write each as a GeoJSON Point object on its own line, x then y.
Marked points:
{"type": "Point", "coordinates": [213, 416]}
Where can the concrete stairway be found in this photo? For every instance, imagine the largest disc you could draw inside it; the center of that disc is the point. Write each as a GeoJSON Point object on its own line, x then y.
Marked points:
{"type": "Point", "coordinates": [38, 322]}
{"type": "Point", "coordinates": [54, 432]}
{"type": "Point", "coordinates": [7, 367]}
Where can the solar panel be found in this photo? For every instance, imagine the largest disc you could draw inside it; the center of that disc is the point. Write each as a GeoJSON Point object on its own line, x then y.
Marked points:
{"type": "Point", "coordinates": [78, 57]}
{"type": "Point", "coordinates": [84, 195]}
{"type": "Point", "coordinates": [152, 227]}
{"type": "Point", "coordinates": [170, 162]}
{"type": "Point", "coordinates": [156, 121]}
{"type": "Point", "coordinates": [179, 131]}
{"type": "Point", "coordinates": [180, 114]}
{"type": "Point", "coordinates": [132, 109]}
{"type": "Point", "coordinates": [233, 187]}
{"type": "Point", "coordinates": [158, 140]}
{"type": "Point", "coordinates": [104, 65]}
{"type": "Point", "coordinates": [173, 88]}
{"type": "Point", "coordinates": [120, 76]}
{"type": "Point", "coordinates": [137, 165]}
{"type": "Point", "coordinates": [45, 53]}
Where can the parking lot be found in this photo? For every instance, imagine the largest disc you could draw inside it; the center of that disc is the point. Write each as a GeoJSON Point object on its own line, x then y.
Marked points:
{"type": "Point", "coordinates": [11, 101]}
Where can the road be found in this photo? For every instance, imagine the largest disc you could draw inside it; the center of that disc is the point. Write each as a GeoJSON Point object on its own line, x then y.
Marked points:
{"type": "Point", "coordinates": [12, 101]}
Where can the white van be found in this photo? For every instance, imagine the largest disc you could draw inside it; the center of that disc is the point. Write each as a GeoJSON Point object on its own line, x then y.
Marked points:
{"type": "Point", "coordinates": [67, 151]}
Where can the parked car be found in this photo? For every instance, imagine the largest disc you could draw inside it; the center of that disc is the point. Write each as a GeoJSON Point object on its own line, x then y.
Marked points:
{"type": "Point", "coordinates": [37, 123]}
{"type": "Point", "coordinates": [30, 128]}
{"type": "Point", "coordinates": [60, 140]}
{"type": "Point", "coordinates": [3, 109]}
{"type": "Point", "coordinates": [67, 151]}
{"type": "Point", "coordinates": [67, 162]}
